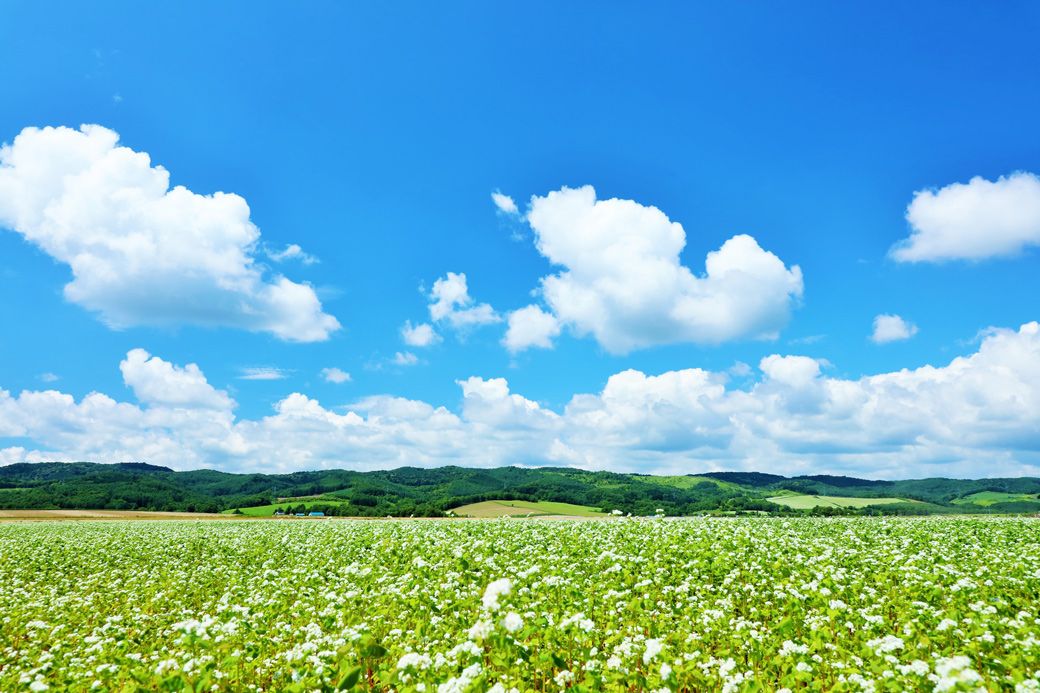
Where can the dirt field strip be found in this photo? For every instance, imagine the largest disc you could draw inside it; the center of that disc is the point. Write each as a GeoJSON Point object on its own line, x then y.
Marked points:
{"type": "Point", "coordinates": [43, 515]}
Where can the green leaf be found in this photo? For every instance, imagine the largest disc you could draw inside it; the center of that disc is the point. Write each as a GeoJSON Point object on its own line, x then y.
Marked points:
{"type": "Point", "coordinates": [349, 679]}
{"type": "Point", "coordinates": [375, 650]}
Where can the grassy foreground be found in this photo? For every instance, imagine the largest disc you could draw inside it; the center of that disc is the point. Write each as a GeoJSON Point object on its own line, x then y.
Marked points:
{"type": "Point", "coordinates": [711, 604]}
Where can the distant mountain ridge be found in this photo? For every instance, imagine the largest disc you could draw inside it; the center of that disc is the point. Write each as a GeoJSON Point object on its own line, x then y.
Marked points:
{"type": "Point", "coordinates": [431, 492]}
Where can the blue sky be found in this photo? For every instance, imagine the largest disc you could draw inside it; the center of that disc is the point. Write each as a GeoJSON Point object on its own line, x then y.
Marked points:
{"type": "Point", "coordinates": [372, 137]}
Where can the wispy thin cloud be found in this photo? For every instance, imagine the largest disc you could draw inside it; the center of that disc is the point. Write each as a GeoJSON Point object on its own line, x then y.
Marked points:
{"type": "Point", "coordinates": [290, 252]}
{"type": "Point", "coordinates": [263, 373]}
{"type": "Point", "coordinates": [405, 358]}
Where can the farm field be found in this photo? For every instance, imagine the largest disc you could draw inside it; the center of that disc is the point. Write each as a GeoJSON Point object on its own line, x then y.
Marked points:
{"type": "Point", "coordinates": [491, 605]}
{"type": "Point", "coordinates": [270, 509]}
{"type": "Point", "coordinates": [988, 498]}
{"type": "Point", "coordinates": [514, 508]}
{"type": "Point", "coordinates": [66, 515]}
{"type": "Point", "coordinates": [806, 502]}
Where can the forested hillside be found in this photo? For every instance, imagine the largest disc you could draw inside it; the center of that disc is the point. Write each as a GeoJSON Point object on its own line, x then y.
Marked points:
{"type": "Point", "coordinates": [432, 492]}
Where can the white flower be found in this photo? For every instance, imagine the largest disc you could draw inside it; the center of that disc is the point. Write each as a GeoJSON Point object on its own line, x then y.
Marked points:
{"type": "Point", "coordinates": [915, 667]}
{"type": "Point", "coordinates": [579, 620]}
{"type": "Point", "coordinates": [480, 630]}
{"type": "Point", "coordinates": [789, 648]}
{"type": "Point", "coordinates": [512, 622]}
{"type": "Point", "coordinates": [653, 648]}
{"type": "Point", "coordinates": [165, 665]}
{"type": "Point", "coordinates": [563, 678]}
{"type": "Point", "coordinates": [954, 672]}
{"type": "Point", "coordinates": [462, 682]}
{"type": "Point", "coordinates": [889, 643]}
{"type": "Point", "coordinates": [494, 591]}
{"type": "Point", "coordinates": [666, 671]}
{"type": "Point", "coordinates": [38, 686]}
{"type": "Point", "coordinates": [414, 660]}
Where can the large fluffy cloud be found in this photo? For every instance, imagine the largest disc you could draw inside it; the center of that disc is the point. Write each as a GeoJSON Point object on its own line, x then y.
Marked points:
{"type": "Point", "coordinates": [621, 279]}
{"type": "Point", "coordinates": [978, 415]}
{"type": "Point", "coordinates": [142, 253]}
{"type": "Point", "coordinates": [973, 221]}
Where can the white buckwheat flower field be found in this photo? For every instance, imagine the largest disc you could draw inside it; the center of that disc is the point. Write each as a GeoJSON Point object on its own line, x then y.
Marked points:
{"type": "Point", "coordinates": [505, 605]}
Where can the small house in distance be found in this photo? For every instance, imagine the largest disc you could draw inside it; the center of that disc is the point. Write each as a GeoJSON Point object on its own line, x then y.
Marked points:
{"type": "Point", "coordinates": [316, 513]}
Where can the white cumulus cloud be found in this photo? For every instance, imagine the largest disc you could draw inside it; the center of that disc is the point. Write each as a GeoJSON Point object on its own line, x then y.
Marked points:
{"type": "Point", "coordinates": [159, 382]}
{"type": "Point", "coordinates": [530, 327]}
{"type": "Point", "coordinates": [141, 252]}
{"type": "Point", "coordinates": [421, 335]}
{"type": "Point", "coordinates": [336, 376]}
{"type": "Point", "coordinates": [622, 280]}
{"type": "Point", "coordinates": [892, 328]}
{"type": "Point", "coordinates": [451, 303]}
{"type": "Point", "coordinates": [973, 221]}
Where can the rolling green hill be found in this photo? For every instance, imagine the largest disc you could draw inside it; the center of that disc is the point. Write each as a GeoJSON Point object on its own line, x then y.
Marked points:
{"type": "Point", "coordinates": [432, 492]}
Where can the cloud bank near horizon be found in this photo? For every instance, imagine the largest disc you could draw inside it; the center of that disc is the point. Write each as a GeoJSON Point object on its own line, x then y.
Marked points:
{"type": "Point", "coordinates": [978, 415]}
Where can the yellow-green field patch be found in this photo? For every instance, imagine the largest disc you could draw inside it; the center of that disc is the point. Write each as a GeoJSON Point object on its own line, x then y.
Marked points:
{"type": "Point", "coordinates": [807, 502]}
{"type": "Point", "coordinates": [516, 508]}
{"type": "Point", "coordinates": [269, 510]}
{"type": "Point", "coordinates": [686, 482]}
{"type": "Point", "coordinates": [988, 498]}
